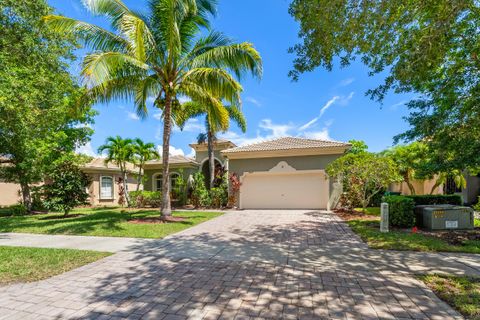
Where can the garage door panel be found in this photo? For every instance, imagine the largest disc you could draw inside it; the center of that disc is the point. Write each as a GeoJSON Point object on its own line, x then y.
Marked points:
{"type": "Point", "coordinates": [284, 191]}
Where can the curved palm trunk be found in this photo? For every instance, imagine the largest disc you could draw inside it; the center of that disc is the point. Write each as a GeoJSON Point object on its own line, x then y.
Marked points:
{"type": "Point", "coordinates": [139, 178]}
{"type": "Point", "coordinates": [166, 209]}
{"type": "Point", "coordinates": [406, 178]}
{"type": "Point", "coordinates": [211, 158]}
{"type": "Point", "coordinates": [125, 190]}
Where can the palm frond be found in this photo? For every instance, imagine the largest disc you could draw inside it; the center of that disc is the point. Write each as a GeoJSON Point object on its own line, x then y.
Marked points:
{"type": "Point", "coordinates": [93, 36]}
{"type": "Point", "coordinates": [138, 34]}
{"type": "Point", "coordinates": [238, 117]}
{"type": "Point", "coordinates": [217, 82]}
{"type": "Point", "coordinates": [239, 58]}
{"type": "Point", "coordinates": [188, 110]}
{"type": "Point", "coordinates": [148, 87]}
{"type": "Point", "coordinates": [104, 66]}
{"type": "Point", "coordinates": [114, 10]}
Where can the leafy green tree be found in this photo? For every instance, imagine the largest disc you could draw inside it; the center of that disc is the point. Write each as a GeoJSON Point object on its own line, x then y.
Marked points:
{"type": "Point", "coordinates": [65, 186]}
{"type": "Point", "coordinates": [358, 146]}
{"type": "Point", "coordinates": [365, 174]}
{"type": "Point", "coordinates": [162, 55]}
{"type": "Point", "coordinates": [409, 160]}
{"type": "Point", "coordinates": [120, 152]}
{"type": "Point", "coordinates": [143, 152]}
{"type": "Point", "coordinates": [216, 120]}
{"type": "Point", "coordinates": [38, 123]}
{"type": "Point", "coordinates": [426, 47]}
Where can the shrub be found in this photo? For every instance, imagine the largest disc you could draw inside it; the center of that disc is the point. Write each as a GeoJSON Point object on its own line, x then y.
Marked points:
{"type": "Point", "coordinates": [428, 199]}
{"type": "Point", "coordinates": [219, 195]}
{"type": "Point", "coordinates": [142, 198]}
{"type": "Point", "coordinates": [18, 210]}
{"type": "Point", "coordinates": [401, 211]}
{"type": "Point", "coordinates": [200, 195]}
{"type": "Point", "coordinates": [66, 187]}
{"type": "Point", "coordinates": [476, 207]}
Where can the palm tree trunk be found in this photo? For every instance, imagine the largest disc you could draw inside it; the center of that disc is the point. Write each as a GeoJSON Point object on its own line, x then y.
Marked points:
{"type": "Point", "coordinates": [125, 191]}
{"type": "Point", "coordinates": [166, 209]}
{"type": "Point", "coordinates": [139, 178]}
{"type": "Point", "coordinates": [211, 158]}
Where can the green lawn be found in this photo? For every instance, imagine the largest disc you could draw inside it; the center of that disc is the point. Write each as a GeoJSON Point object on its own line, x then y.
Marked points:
{"type": "Point", "coordinates": [19, 264]}
{"type": "Point", "coordinates": [373, 211]}
{"type": "Point", "coordinates": [104, 222]}
{"type": "Point", "coordinates": [462, 293]}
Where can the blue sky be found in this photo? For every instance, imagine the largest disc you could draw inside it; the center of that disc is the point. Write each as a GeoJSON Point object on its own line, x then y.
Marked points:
{"type": "Point", "coordinates": [322, 104]}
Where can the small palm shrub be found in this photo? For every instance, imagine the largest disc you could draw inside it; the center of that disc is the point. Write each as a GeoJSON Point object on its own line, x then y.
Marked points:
{"type": "Point", "coordinates": [200, 194]}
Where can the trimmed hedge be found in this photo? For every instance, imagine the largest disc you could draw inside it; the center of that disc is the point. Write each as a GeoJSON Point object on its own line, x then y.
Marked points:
{"type": "Point", "coordinates": [453, 199]}
{"type": "Point", "coordinates": [401, 211]}
{"type": "Point", "coordinates": [142, 199]}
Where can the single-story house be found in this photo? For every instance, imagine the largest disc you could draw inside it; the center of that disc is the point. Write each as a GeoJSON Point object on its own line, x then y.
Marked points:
{"type": "Point", "coordinates": [469, 194]}
{"type": "Point", "coordinates": [103, 191]}
{"type": "Point", "coordinates": [285, 173]}
{"type": "Point", "coordinates": [106, 178]}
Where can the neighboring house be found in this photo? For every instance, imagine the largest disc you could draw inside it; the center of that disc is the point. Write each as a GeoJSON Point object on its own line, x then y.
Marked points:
{"type": "Point", "coordinates": [104, 189]}
{"type": "Point", "coordinates": [9, 193]}
{"type": "Point", "coordinates": [469, 194]}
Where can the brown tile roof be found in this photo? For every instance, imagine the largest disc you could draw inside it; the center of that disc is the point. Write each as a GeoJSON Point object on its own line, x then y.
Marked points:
{"type": "Point", "coordinates": [99, 164]}
{"type": "Point", "coordinates": [178, 159]}
{"type": "Point", "coordinates": [287, 143]}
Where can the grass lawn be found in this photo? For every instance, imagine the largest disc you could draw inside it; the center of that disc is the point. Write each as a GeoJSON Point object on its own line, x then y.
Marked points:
{"type": "Point", "coordinates": [19, 264]}
{"type": "Point", "coordinates": [373, 211]}
{"type": "Point", "coordinates": [104, 222]}
{"type": "Point", "coordinates": [369, 231]}
{"type": "Point", "coordinates": [462, 293]}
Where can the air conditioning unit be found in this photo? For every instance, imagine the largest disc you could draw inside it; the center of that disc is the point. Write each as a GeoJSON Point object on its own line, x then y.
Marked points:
{"type": "Point", "coordinates": [444, 217]}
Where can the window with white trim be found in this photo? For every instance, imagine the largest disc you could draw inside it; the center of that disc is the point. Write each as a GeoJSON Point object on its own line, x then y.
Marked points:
{"type": "Point", "coordinates": [106, 187]}
{"type": "Point", "coordinates": [158, 182]}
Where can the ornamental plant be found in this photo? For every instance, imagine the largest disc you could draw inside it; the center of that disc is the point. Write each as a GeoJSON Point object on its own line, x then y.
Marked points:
{"type": "Point", "coordinates": [66, 187]}
{"type": "Point", "coordinates": [363, 175]}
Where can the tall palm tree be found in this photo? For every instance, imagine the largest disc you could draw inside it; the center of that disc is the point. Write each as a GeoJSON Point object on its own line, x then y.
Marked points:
{"type": "Point", "coordinates": [143, 152]}
{"type": "Point", "coordinates": [215, 121]}
{"type": "Point", "coordinates": [160, 55]}
{"type": "Point", "coordinates": [120, 152]}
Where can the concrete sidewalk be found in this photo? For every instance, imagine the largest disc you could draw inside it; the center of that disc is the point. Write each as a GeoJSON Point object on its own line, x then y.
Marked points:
{"type": "Point", "coordinates": [105, 244]}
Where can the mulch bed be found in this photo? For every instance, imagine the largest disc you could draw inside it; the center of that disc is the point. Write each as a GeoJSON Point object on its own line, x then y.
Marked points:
{"type": "Point", "coordinates": [157, 220]}
{"type": "Point", "coordinates": [454, 237]}
{"type": "Point", "coordinates": [348, 215]}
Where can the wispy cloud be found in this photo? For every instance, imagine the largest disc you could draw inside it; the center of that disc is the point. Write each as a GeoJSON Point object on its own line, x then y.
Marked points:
{"type": "Point", "coordinates": [394, 107]}
{"type": "Point", "coordinates": [253, 101]}
{"type": "Point", "coordinates": [322, 111]}
{"type": "Point", "coordinates": [133, 116]}
{"type": "Point", "coordinates": [267, 130]}
{"type": "Point", "coordinates": [346, 82]}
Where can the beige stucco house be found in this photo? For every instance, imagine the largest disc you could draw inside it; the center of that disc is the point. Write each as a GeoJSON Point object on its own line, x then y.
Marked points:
{"type": "Point", "coordinates": [287, 173]}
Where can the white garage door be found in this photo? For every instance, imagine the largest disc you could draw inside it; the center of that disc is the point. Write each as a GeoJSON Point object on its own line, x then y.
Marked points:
{"type": "Point", "coordinates": [284, 191]}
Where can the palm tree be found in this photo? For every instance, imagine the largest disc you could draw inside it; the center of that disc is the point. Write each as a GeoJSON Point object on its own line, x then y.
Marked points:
{"type": "Point", "coordinates": [143, 152]}
{"type": "Point", "coordinates": [120, 152]}
{"type": "Point", "coordinates": [160, 55]}
{"type": "Point", "coordinates": [215, 120]}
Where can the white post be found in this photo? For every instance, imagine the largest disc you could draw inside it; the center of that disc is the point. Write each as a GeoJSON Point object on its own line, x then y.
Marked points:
{"type": "Point", "coordinates": [384, 218]}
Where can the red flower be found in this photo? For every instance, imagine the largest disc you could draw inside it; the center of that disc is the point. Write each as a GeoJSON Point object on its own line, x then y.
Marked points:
{"type": "Point", "coordinates": [414, 229]}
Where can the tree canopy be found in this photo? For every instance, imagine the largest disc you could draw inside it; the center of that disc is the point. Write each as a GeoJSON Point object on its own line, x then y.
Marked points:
{"type": "Point", "coordinates": [161, 55]}
{"type": "Point", "coordinates": [429, 48]}
{"type": "Point", "coordinates": [38, 121]}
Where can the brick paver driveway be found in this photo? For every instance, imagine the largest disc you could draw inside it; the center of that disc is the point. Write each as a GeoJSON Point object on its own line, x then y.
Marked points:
{"type": "Point", "coordinates": [247, 264]}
